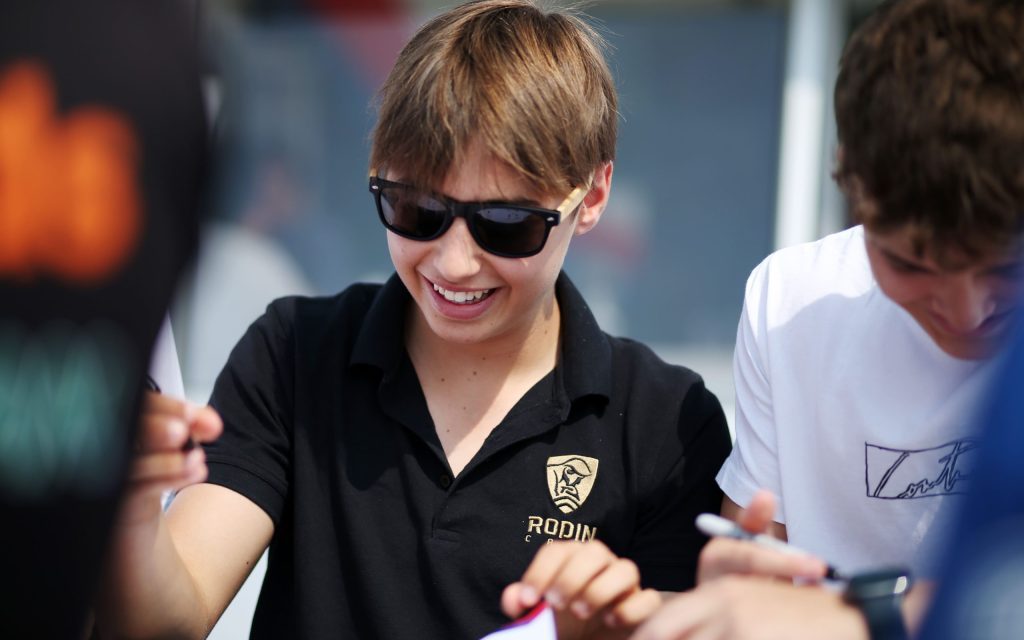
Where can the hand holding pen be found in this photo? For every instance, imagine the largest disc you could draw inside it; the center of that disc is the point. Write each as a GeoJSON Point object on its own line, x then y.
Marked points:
{"type": "Point", "coordinates": [744, 588]}
{"type": "Point", "coordinates": [744, 548]}
{"type": "Point", "coordinates": [166, 457]}
{"type": "Point", "coordinates": [719, 527]}
{"type": "Point", "coordinates": [152, 386]}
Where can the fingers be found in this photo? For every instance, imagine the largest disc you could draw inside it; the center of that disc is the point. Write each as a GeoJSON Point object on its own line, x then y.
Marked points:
{"type": "Point", "coordinates": [517, 598]}
{"type": "Point", "coordinates": [537, 579]}
{"type": "Point", "coordinates": [560, 570]}
{"type": "Point", "coordinates": [164, 460]}
{"type": "Point", "coordinates": [634, 609]}
{"type": "Point", "coordinates": [586, 580]}
{"type": "Point", "coordinates": [757, 517]}
{"type": "Point", "coordinates": [723, 556]}
{"type": "Point", "coordinates": [161, 433]}
{"type": "Point", "coordinates": [164, 425]}
{"type": "Point", "coordinates": [619, 578]}
{"type": "Point", "coordinates": [581, 565]}
{"type": "Point", "coordinates": [167, 467]}
{"type": "Point", "coordinates": [204, 423]}
{"type": "Point", "coordinates": [154, 402]}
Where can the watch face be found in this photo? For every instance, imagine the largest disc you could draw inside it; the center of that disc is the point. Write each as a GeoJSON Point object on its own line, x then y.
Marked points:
{"type": "Point", "coordinates": [883, 583]}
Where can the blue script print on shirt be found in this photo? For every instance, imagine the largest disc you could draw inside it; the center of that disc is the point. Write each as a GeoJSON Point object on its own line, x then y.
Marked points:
{"type": "Point", "coordinates": [896, 474]}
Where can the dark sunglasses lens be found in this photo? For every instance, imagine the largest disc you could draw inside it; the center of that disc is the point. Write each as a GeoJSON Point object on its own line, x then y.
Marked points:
{"type": "Point", "coordinates": [411, 212]}
{"type": "Point", "coordinates": [510, 231]}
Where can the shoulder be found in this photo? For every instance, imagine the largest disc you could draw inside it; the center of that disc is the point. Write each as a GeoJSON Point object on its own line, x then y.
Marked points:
{"type": "Point", "coordinates": [295, 328]}
{"type": "Point", "coordinates": [354, 300]}
{"type": "Point", "coordinates": [291, 337]}
{"type": "Point", "coordinates": [835, 261]}
{"type": "Point", "coordinates": [314, 314]}
{"type": "Point", "coordinates": [645, 383]}
{"type": "Point", "coordinates": [669, 417]}
{"type": "Point", "coordinates": [291, 321]}
{"type": "Point", "coordinates": [795, 277]}
{"type": "Point", "coordinates": [637, 363]}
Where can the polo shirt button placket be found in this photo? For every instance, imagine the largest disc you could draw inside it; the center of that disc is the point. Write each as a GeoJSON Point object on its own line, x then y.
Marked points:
{"type": "Point", "coordinates": [445, 480]}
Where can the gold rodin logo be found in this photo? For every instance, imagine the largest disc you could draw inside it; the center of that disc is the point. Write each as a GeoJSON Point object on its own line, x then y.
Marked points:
{"type": "Point", "coordinates": [570, 479]}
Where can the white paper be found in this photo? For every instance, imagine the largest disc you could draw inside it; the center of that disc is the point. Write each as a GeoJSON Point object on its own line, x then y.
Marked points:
{"type": "Point", "coordinates": [539, 624]}
{"type": "Point", "coordinates": [164, 367]}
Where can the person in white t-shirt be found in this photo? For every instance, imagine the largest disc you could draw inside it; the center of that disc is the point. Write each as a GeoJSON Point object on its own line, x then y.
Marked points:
{"type": "Point", "coordinates": [856, 380]}
{"type": "Point", "coordinates": [860, 357]}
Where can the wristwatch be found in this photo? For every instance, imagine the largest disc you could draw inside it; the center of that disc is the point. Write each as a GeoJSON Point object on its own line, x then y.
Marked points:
{"type": "Point", "coordinates": [878, 596]}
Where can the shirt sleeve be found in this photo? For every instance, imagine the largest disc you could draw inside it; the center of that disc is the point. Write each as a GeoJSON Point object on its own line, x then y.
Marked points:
{"type": "Point", "coordinates": [253, 395]}
{"type": "Point", "coordinates": [753, 463]}
{"type": "Point", "coordinates": [667, 543]}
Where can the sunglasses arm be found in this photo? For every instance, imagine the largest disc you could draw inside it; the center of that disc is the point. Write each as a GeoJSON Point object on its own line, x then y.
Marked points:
{"type": "Point", "coordinates": [572, 200]}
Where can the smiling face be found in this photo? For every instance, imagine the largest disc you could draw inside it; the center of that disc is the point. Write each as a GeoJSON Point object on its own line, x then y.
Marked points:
{"type": "Point", "coordinates": [966, 310]}
{"type": "Point", "coordinates": [467, 296]}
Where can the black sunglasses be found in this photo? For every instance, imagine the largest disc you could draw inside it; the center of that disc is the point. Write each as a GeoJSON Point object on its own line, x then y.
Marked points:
{"type": "Point", "coordinates": [501, 228]}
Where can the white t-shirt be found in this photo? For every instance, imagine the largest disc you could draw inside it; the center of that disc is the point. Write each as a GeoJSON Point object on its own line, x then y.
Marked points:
{"type": "Point", "coordinates": [845, 408]}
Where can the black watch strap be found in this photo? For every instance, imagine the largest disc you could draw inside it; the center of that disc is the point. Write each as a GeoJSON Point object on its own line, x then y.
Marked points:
{"type": "Point", "coordinates": [879, 596]}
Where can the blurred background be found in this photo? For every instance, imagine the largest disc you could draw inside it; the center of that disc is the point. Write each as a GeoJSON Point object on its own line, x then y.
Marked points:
{"type": "Point", "coordinates": [725, 152]}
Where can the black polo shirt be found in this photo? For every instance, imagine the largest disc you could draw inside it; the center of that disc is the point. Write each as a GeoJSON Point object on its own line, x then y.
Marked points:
{"type": "Point", "coordinates": [327, 430]}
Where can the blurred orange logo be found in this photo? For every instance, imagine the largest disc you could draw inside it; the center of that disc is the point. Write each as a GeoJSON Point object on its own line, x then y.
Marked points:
{"type": "Point", "coordinates": [69, 204]}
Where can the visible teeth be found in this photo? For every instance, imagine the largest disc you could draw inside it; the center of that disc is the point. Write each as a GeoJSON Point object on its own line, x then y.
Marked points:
{"type": "Point", "coordinates": [462, 297]}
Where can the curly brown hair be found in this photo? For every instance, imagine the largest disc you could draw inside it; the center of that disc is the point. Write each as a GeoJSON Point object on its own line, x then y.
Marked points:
{"type": "Point", "coordinates": [930, 110]}
{"type": "Point", "coordinates": [530, 85]}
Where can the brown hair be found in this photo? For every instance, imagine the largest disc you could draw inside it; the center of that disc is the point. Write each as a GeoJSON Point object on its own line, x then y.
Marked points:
{"type": "Point", "coordinates": [531, 86]}
{"type": "Point", "coordinates": [930, 109]}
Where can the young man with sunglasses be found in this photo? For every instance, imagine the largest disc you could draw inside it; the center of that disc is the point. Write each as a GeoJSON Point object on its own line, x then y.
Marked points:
{"type": "Point", "coordinates": [405, 450]}
{"type": "Point", "coordinates": [861, 357]}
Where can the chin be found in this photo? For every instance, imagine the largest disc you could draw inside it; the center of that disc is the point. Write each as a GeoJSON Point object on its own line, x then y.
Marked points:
{"type": "Point", "coordinates": [456, 333]}
{"type": "Point", "coordinates": [970, 349]}
{"type": "Point", "coordinates": [965, 347]}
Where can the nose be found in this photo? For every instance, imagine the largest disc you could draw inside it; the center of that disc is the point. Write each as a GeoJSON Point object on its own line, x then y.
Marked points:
{"type": "Point", "coordinates": [966, 302]}
{"type": "Point", "coordinates": [456, 254]}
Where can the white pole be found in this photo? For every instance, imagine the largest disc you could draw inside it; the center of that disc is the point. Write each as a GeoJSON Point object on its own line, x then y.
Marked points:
{"type": "Point", "coordinates": [810, 73]}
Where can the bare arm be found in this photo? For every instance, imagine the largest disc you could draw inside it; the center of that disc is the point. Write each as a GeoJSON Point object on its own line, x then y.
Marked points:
{"type": "Point", "coordinates": [219, 536]}
{"type": "Point", "coordinates": [754, 608]}
{"type": "Point", "coordinates": [173, 575]}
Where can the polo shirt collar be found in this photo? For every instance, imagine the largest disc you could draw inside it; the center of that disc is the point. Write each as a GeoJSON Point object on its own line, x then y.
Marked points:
{"type": "Point", "coordinates": [585, 363]}
{"type": "Point", "coordinates": [381, 339]}
{"type": "Point", "coordinates": [586, 358]}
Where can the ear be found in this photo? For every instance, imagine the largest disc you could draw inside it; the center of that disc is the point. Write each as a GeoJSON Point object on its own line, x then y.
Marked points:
{"type": "Point", "coordinates": [596, 199]}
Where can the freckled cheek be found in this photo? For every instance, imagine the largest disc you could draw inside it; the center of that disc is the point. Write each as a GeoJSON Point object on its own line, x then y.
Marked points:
{"type": "Point", "coordinates": [528, 275]}
{"type": "Point", "coordinates": [401, 252]}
